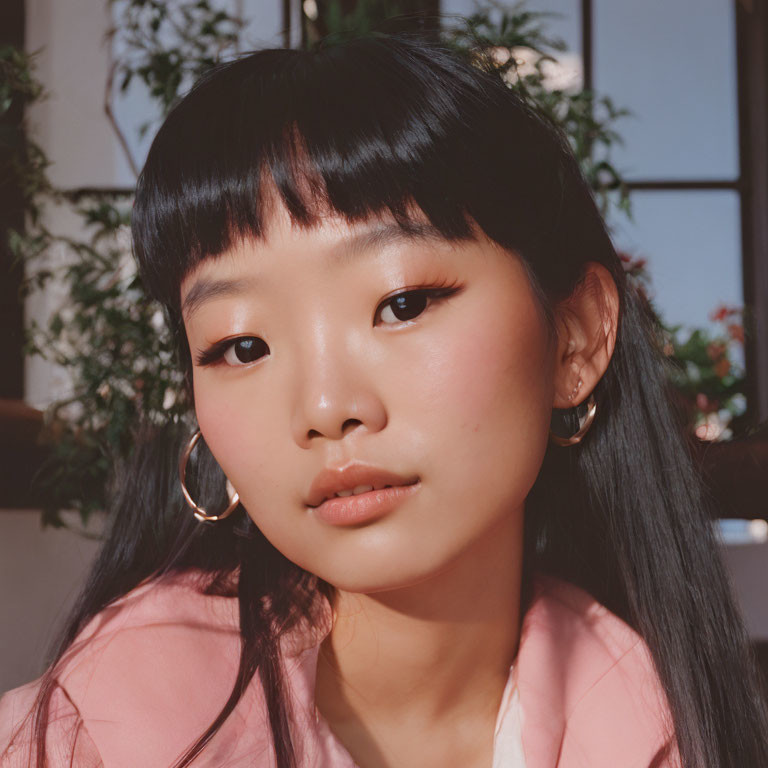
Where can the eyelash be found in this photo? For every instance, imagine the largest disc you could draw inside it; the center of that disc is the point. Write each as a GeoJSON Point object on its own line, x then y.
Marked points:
{"type": "Point", "coordinates": [214, 355]}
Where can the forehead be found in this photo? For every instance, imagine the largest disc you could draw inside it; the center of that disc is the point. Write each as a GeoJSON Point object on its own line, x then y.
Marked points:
{"type": "Point", "coordinates": [332, 240]}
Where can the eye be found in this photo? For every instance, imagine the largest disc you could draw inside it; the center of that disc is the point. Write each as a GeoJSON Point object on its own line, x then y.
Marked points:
{"type": "Point", "coordinates": [234, 352]}
{"type": "Point", "coordinates": [408, 305]}
{"type": "Point", "coordinates": [402, 307]}
{"type": "Point", "coordinates": [244, 350]}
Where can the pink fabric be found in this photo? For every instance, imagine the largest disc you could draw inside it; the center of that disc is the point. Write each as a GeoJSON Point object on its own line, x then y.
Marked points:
{"type": "Point", "coordinates": [149, 674]}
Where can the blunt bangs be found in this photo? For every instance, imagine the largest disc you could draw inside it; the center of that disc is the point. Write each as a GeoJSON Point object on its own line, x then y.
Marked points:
{"type": "Point", "coordinates": [374, 125]}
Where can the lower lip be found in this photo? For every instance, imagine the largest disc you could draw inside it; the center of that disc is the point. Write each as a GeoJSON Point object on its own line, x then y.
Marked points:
{"type": "Point", "coordinates": [348, 510]}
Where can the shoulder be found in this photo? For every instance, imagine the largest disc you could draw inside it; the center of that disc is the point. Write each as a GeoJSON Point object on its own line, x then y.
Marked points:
{"type": "Point", "coordinates": [570, 615]}
{"type": "Point", "coordinates": [67, 740]}
{"type": "Point", "coordinates": [160, 661]}
{"type": "Point", "coordinates": [592, 672]}
{"type": "Point", "coordinates": [162, 630]}
{"type": "Point", "coordinates": [164, 615]}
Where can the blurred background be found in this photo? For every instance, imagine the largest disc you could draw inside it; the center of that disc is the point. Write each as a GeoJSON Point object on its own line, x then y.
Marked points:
{"type": "Point", "coordinates": [665, 104]}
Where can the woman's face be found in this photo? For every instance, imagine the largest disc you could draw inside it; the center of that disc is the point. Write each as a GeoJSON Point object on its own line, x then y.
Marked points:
{"type": "Point", "coordinates": [456, 391]}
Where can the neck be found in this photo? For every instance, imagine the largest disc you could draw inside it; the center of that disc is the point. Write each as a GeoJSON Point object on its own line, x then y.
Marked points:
{"type": "Point", "coordinates": [440, 647]}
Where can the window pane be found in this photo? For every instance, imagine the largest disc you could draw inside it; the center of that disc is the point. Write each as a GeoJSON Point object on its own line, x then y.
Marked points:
{"type": "Point", "coordinates": [674, 66]}
{"type": "Point", "coordinates": [692, 243]}
{"type": "Point", "coordinates": [263, 23]}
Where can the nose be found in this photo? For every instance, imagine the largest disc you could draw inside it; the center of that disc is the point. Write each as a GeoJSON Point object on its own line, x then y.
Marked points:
{"type": "Point", "coordinates": [336, 391]}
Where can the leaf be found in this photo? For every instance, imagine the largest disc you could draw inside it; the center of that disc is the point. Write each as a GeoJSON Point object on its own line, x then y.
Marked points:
{"type": "Point", "coordinates": [126, 80]}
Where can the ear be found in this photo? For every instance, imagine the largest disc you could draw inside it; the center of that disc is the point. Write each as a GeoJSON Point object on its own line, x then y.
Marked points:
{"type": "Point", "coordinates": [586, 334]}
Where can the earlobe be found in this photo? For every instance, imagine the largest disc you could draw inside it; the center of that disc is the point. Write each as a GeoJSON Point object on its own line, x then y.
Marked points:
{"type": "Point", "coordinates": [587, 325]}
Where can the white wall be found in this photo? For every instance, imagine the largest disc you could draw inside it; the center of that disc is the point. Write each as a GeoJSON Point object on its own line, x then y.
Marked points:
{"type": "Point", "coordinates": [73, 131]}
{"type": "Point", "coordinates": [40, 573]}
{"type": "Point", "coordinates": [748, 566]}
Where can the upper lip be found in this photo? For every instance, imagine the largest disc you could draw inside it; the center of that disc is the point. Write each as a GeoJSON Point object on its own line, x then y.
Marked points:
{"type": "Point", "coordinates": [334, 479]}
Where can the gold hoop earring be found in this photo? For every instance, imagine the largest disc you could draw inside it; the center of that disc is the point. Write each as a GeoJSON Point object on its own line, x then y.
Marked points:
{"type": "Point", "coordinates": [199, 512]}
{"type": "Point", "coordinates": [585, 422]}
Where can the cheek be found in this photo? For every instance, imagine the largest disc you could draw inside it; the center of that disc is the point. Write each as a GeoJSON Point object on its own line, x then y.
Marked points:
{"type": "Point", "coordinates": [217, 418]}
{"type": "Point", "coordinates": [251, 446]}
{"type": "Point", "coordinates": [488, 395]}
{"type": "Point", "coordinates": [234, 430]}
{"type": "Point", "coordinates": [495, 366]}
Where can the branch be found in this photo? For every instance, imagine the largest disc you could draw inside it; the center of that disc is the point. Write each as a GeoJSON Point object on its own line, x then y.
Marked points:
{"type": "Point", "coordinates": [108, 89]}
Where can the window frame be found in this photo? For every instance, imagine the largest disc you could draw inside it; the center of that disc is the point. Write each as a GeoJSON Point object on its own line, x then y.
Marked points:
{"type": "Point", "coordinates": [751, 184]}
{"type": "Point", "coordinates": [11, 217]}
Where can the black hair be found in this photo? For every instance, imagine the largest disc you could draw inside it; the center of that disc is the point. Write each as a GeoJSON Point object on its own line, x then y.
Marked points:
{"type": "Point", "coordinates": [383, 124]}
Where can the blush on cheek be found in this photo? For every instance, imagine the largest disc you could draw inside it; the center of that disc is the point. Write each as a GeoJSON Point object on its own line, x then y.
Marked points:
{"type": "Point", "coordinates": [485, 370]}
{"type": "Point", "coordinates": [221, 427]}
{"type": "Point", "coordinates": [491, 375]}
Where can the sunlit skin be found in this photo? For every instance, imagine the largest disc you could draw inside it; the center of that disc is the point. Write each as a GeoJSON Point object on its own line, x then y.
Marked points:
{"type": "Point", "coordinates": [427, 609]}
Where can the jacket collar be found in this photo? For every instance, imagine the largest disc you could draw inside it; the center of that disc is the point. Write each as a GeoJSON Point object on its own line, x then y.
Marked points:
{"type": "Point", "coordinates": [568, 641]}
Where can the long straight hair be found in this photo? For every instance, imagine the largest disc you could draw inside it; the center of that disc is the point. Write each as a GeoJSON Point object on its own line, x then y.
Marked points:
{"type": "Point", "coordinates": [377, 125]}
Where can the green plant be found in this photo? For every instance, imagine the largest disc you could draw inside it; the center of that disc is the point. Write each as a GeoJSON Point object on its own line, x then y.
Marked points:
{"type": "Point", "coordinates": [705, 368]}
{"type": "Point", "coordinates": [116, 343]}
{"type": "Point", "coordinates": [514, 40]}
{"type": "Point", "coordinates": [107, 334]}
{"type": "Point", "coordinates": [166, 46]}
{"type": "Point", "coordinates": [23, 163]}
{"type": "Point", "coordinates": [708, 374]}
{"type": "Point", "coordinates": [364, 18]}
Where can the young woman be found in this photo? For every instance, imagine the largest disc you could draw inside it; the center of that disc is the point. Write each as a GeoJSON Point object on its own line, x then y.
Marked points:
{"type": "Point", "coordinates": [437, 510]}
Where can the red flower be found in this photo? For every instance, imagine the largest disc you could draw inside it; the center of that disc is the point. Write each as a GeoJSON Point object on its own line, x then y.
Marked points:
{"type": "Point", "coordinates": [736, 332]}
{"type": "Point", "coordinates": [632, 264]}
{"type": "Point", "coordinates": [723, 311]}
{"type": "Point", "coordinates": [705, 405]}
{"type": "Point", "coordinates": [722, 367]}
{"type": "Point", "coordinates": [715, 350]}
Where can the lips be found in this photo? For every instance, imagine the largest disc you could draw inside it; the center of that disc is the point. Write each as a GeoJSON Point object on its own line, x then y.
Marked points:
{"type": "Point", "coordinates": [331, 480]}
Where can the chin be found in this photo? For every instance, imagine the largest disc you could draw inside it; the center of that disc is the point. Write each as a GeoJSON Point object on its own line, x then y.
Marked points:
{"type": "Point", "coordinates": [370, 577]}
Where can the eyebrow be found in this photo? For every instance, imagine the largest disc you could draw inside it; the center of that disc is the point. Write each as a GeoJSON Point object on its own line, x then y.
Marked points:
{"type": "Point", "coordinates": [360, 244]}
{"type": "Point", "coordinates": [205, 290]}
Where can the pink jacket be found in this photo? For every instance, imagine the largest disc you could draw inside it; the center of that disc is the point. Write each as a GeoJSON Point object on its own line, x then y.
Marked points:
{"type": "Point", "coordinates": [149, 674]}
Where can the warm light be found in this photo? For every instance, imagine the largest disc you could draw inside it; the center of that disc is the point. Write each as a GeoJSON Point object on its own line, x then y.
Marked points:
{"type": "Point", "coordinates": [736, 531]}
{"type": "Point", "coordinates": [713, 428]}
{"type": "Point", "coordinates": [758, 530]}
{"type": "Point", "coordinates": [560, 75]}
